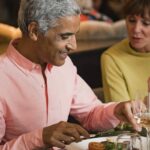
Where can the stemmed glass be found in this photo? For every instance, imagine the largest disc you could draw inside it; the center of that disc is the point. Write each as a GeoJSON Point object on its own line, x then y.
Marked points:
{"type": "Point", "coordinates": [142, 115]}
{"type": "Point", "coordinates": [143, 118]}
{"type": "Point", "coordinates": [129, 141]}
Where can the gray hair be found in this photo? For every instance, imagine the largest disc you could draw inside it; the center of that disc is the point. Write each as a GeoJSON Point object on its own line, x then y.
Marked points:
{"type": "Point", "coordinates": [45, 13]}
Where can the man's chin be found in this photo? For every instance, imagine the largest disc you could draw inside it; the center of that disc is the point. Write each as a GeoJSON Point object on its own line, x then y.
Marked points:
{"type": "Point", "coordinates": [59, 63]}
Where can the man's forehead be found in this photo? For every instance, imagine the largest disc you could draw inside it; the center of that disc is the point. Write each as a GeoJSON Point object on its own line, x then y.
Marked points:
{"type": "Point", "coordinates": [66, 23]}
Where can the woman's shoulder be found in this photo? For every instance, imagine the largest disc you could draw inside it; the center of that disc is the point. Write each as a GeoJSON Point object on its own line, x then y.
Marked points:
{"type": "Point", "coordinates": [118, 48]}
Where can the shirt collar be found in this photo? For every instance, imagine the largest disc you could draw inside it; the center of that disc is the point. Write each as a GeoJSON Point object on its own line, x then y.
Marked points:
{"type": "Point", "coordinates": [21, 61]}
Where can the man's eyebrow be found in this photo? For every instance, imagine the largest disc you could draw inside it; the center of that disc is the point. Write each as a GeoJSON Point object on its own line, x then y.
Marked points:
{"type": "Point", "coordinates": [66, 34]}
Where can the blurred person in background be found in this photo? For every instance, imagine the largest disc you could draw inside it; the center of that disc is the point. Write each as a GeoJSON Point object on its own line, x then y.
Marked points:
{"type": "Point", "coordinates": [98, 26]}
{"type": "Point", "coordinates": [88, 12]}
{"type": "Point", "coordinates": [112, 8]}
{"type": "Point", "coordinates": [125, 66]}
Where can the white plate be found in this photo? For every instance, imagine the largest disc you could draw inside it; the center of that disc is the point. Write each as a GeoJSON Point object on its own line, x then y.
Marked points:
{"type": "Point", "coordinates": [84, 144]}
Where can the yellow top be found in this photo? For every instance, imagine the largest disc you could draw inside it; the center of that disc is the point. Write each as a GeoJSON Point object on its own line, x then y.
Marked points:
{"type": "Point", "coordinates": [125, 73]}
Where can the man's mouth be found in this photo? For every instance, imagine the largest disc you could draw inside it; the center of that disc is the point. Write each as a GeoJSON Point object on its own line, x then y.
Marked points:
{"type": "Point", "coordinates": [63, 54]}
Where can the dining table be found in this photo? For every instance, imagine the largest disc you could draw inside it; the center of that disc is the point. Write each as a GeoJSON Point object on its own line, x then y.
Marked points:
{"type": "Point", "coordinates": [110, 135]}
{"type": "Point", "coordinates": [83, 145]}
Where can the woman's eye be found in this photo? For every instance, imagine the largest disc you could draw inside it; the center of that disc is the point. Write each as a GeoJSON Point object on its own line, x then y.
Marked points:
{"type": "Point", "coordinates": [131, 20]}
{"type": "Point", "coordinates": [146, 23]}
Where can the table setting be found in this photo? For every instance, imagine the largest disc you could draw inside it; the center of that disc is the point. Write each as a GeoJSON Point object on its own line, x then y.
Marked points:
{"type": "Point", "coordinates": [123, 133]}
{"type": "Point", "coordinates": [84, 145]}
{"type": "Point", "coordinates": [123, 137]}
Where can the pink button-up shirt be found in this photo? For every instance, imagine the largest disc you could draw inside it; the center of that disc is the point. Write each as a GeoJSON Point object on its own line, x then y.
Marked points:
{"type": "Point", "coordinates": [27, 105]}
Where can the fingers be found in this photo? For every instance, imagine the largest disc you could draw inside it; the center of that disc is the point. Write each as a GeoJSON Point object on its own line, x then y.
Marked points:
{"type": "Point", "coordinates": [63, 133]}
{"type": "Point", "coordinates": [130, 117]}
{"type": "Point", "coordinates": [57, 143]}
{"type": "Point", "coordinates": [77, 132]}
{"type": "Point", "coordinates": [65, 139]}
{"type": "Point", "coordinates": [138, 106]}
{"type": "Point", "coordinates": [124, 112]}
{"type": "Point", "coordinates": [82, 131]}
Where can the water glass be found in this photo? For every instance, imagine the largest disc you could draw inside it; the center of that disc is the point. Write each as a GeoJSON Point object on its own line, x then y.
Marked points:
{"type": "Point", "coordinates": [129, 141]}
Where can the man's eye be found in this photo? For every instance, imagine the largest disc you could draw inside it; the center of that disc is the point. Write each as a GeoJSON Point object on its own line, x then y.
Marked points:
{"type": "Point", "coordinates": [64, 37]}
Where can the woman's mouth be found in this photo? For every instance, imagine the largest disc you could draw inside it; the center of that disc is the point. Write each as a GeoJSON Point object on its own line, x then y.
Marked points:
{"type": "Point", "coordinates": [136, 39]}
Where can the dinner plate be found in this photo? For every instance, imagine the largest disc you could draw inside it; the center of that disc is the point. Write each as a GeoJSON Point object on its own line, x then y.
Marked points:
{"type": "Point", "coordinates": [83, 145]}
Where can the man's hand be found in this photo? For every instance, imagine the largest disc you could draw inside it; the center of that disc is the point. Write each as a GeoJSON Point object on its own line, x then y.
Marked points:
{"type": "Point", "coordinates": [125, 111]}
{"type": "Point", "coordinates": [63, 133]}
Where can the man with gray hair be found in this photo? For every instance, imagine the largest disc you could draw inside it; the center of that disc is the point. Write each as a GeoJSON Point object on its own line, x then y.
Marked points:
{"type": "Point", "coordinates": [40, 86]}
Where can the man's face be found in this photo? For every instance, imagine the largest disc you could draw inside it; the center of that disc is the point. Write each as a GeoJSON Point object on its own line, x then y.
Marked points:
{"type": "Point", "coordinates": [55, 45]}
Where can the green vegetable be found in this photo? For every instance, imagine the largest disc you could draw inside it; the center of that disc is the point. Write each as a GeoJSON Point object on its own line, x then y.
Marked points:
{"type": "Point", "coordinates": [110, 145]}
{"type": "Point", "coordinates": [119, 130]}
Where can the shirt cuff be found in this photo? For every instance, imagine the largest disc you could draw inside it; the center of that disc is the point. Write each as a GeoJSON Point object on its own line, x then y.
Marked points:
{"type": "Point", "coordinates": [110, 107]}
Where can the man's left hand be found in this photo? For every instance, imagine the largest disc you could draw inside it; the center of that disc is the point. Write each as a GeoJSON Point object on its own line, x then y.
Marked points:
{"type": "Point", "coordinates": [124, 112]}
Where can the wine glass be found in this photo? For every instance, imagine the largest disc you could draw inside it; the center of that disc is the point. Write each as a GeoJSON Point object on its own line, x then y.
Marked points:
{"type": "Point", "coordinates": [143, 118]}
{"type": "Point", "coordinates": [129, 141]}
{"type": "Point", "coordinates": [142, 115]}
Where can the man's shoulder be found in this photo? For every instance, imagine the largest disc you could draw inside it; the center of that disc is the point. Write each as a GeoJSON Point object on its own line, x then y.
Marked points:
{"type": "Point", "coordinates": [3, 59]}
{"type": "Point", "coordinates": [4, 64]}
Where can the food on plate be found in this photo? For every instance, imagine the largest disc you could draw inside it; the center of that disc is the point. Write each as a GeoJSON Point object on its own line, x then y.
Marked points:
{"type": "Point", "coordinates": [105, 145]}
{"type": "Point", "coordinates": [109, 145]}
{"type": "Point", "coordinates": [96, 146]}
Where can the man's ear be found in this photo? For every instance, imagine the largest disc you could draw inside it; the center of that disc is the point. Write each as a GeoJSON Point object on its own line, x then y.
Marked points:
{"type": "Point", "coordinates": [33, 31]}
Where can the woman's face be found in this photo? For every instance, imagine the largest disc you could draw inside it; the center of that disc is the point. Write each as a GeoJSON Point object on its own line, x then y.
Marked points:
{"type": "Point", "coordinates": [139, 32]}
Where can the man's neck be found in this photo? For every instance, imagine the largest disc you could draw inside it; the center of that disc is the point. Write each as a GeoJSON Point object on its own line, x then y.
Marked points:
{"type": "Point", "coordinates": [28, 49]}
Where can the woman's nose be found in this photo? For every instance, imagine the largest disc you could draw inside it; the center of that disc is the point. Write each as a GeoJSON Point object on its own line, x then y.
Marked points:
{"type": "Point", "coordinates": [137, 27]}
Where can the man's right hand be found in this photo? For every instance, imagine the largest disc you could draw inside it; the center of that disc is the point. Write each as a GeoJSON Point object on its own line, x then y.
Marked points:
{"type": "Point", "coordinates": [62, 133]}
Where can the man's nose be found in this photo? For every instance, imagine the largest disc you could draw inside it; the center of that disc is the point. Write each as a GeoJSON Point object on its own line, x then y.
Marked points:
{"type": "Point", "coordinates": [72, 44]}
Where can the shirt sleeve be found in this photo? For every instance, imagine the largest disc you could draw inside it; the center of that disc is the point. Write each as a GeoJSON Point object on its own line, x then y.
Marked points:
{"type": "Point", "coordinates": [28, 141]}
{"type": "Point", "coordinates": [91, 112]}
{"type": "Point", "coordinates": [114, 85]}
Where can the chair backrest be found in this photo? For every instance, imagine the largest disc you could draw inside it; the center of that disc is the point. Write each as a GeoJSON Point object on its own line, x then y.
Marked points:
{"type": "Point", "coordinates": [7, 33]}
{"type": "Point", "coordinates": [99, 93]}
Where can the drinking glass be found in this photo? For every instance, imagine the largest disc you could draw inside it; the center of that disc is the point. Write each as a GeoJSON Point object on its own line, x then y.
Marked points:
{"type": "Point", "coordinates": [129, 141]}
{"type": "Point", "coordinates": [142, 115]}
{"type": "Point", "coordinates": [143, 118]}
